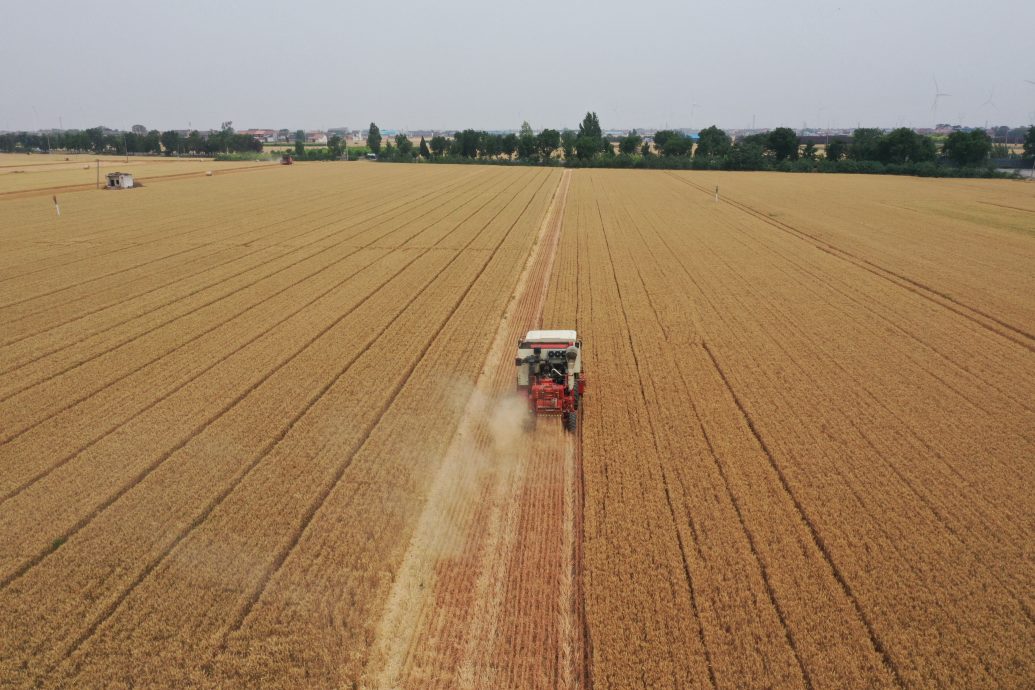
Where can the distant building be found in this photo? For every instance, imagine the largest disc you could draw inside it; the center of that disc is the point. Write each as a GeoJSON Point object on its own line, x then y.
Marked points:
{"type": "Point", "coordinates": [316, 137]}
{"type": "Point", "coordinates": [120, 180]}
{"type": "Point", "coordinates": [266, 136]}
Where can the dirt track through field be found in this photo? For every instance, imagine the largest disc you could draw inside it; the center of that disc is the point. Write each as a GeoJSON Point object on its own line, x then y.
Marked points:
{"type": "Point", "coordinates": [498, 531]}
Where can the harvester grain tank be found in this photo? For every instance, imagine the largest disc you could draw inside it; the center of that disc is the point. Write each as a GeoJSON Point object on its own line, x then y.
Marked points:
{"type": "Point", "coordinates": [549, 374]}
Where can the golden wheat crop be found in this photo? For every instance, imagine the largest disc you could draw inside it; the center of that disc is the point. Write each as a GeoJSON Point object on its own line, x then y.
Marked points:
{"type": "Point", "coordinates": [256, 429]}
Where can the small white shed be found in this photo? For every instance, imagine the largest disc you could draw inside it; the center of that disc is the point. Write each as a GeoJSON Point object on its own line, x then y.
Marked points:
{"type": "Point", "coordinates": [120, 180]}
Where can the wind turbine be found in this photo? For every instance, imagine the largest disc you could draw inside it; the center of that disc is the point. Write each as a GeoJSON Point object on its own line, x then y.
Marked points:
{"type": "Point", "coordinates": [989, 102]}
{"type": "Point", "coordinates": [938, 93]}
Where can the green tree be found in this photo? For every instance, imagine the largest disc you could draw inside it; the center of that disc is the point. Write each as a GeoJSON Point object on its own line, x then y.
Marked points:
{"type": "Point", "coordinates": [300, 135]}
{"type": "Point", "coordinates": [712, 142]}
{"type": "Point", "coordinates": [836, 150]}
{"type": "Point", "coordinates": [490, 145]}
{"type": "Point", "coordinates": [590, 139]}
{"type": "Point", "coordinates": [748, 153]}
{"type": "Point", "coordinates": [808, 151]}
{"type": "Point", "coordinates": [334, 146]}
{"type": "Point", "coordinates": [170, 141]}
{"type": "Point", "coordinates": [630, 143]}
{"type": "Point", "coordinates": [467, 143]}
{"type": "Point", "coordinates": [195, 142]}
{"type": "Point", "coordinates": [1029, 142]}
{"type": "Point", "coordinates": [968, 148]}
{"type": "Point", "coordinates": [782, 142]}
{"type": "Point", "coordinates": [425, 152]}
{"type": "Point", "coordinates": [509, 144]}
{"type": "Point", "coordinates": [672, 143]}
{"type": "Point", "coordinates": [439, 144]}
{"type": "Point", "coordinates": [300, 149]}
{"type": "Point", "coordinates": [152, 142]}
{"type": "Point", "coordinates": [568, 138]}
{"type": "Point", "coordinates": [590, 126]}
{"type": "Point", "coordinates": [403, 145]}
{"type": "Point", "coordinates": [548, 141]}
{"type": "Point", "coordinates": [865, 144]}
{"type": "Point", "coordinates": [526, 143]}
{"type": "Point", "coordinates": [903, 145]}
{"type": "Point", "coordinates": [95, 135]}
{"type": "Point", "coordinates": [645, 150]}
{"type": "Point", "coordinates": [374, 138]}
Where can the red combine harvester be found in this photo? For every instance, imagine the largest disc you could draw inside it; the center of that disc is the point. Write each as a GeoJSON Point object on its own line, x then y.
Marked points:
{"type": "Point", "coordinates": [550, 374]}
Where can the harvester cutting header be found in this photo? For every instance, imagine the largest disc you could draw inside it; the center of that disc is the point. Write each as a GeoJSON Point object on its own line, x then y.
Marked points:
{"type": "Point", "coordinates": [549, 373]}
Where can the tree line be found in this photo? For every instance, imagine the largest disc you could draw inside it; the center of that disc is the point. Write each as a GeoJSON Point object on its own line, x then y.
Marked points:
{"type": "Point", "coordinates": [868, 150]}
{"type": "Point", "coordinates": [97, 140]}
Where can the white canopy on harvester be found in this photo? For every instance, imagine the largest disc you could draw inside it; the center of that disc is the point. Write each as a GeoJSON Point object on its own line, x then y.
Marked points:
{"type": "Point", "coordinates": [551, 336]}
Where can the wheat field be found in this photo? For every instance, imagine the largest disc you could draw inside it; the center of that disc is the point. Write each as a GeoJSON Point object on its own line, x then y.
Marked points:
{"type": "Point", "coordinates": [258, 428]}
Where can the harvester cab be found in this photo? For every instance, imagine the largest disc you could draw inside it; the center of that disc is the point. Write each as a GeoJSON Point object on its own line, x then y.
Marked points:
{"type": "Point", "coordinates": [549, 374]}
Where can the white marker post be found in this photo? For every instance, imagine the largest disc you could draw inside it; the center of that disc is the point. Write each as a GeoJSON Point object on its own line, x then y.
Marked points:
{"type": "Point", "coordinates": [56, 207]}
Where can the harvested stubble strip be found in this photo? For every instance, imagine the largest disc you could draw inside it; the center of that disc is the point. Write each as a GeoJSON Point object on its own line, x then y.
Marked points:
{"type": "Point", "coordinates": [297, 462]}
{"type": "Point", "coordinates": [367, 518]}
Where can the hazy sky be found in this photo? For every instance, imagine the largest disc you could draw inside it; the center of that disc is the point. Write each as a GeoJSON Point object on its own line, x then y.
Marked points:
{"type": "Point", "coordinates": [462, 63]}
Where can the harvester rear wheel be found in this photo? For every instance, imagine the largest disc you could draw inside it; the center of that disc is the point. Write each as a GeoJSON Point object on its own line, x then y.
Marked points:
{"type": "Point", "coordinates": [570, 421]}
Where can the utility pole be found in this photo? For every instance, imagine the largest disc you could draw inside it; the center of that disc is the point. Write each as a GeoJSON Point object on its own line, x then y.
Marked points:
{"type": "Point", "coordinates": [98, 160]}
